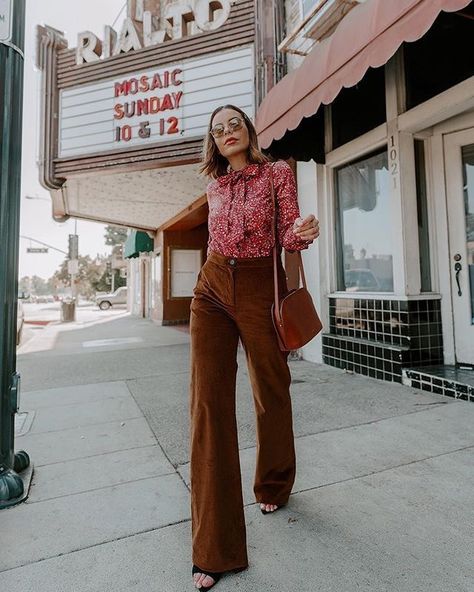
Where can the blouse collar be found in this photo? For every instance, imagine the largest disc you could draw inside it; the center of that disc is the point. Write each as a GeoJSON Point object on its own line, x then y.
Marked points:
{"type": "Point", "coordinates": [248, 171]}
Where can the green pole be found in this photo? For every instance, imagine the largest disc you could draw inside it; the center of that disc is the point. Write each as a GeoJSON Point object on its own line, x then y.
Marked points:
{"type": "Point", "coordinates": [12, 29]}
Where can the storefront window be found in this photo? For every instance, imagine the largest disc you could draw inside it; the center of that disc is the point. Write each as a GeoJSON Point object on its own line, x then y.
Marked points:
{"type": "Point", "coordinates": [365, 227]}
{"type": "Point", "coordinates": [468, 183]}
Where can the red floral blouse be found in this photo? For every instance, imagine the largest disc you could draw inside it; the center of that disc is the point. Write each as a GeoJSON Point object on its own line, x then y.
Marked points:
{"type": "Point", "coordinates": [241, 211]}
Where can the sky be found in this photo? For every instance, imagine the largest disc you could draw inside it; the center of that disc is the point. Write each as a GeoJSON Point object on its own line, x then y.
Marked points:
{"type": "Point", "coordinates": [36, 214]}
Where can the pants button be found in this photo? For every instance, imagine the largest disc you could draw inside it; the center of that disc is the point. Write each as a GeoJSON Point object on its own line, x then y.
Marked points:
{"type": "Point", "coordinates": [232, 261]}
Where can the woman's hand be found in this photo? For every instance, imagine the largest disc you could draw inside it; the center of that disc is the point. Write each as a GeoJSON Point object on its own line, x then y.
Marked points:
{"type": "Point", "coordinates": [308, 228]}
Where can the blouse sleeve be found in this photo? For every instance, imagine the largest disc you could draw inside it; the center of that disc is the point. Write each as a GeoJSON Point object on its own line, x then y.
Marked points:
{"type": "Point", "coordinates": [288, 209]}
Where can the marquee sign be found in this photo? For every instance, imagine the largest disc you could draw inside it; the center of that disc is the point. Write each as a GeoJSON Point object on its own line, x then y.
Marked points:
{"type": "Point", "coordinates": [204, 15]}
{"type": "Point", "coordinates": [160, 105]}
{"type": "Point", "coordinates": [152, 102]}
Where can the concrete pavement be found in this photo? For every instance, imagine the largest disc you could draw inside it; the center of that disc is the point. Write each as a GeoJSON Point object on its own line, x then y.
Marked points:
{"type": "Point", "coordinates": [382, 499]}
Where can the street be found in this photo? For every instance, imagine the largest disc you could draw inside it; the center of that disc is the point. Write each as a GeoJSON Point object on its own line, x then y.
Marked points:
{"type": "Point", "coordinates": [39, 315]}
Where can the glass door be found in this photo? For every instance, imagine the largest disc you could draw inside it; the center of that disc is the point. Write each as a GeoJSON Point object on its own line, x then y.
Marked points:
{"type": "Point", "coordinates": [459, 161]}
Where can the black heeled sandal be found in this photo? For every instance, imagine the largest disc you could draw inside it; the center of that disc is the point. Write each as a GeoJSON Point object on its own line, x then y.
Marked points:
{"type": "Point", "coordinates": [215, 575]}
{"type": "Point", "coordinates": [271, 511]}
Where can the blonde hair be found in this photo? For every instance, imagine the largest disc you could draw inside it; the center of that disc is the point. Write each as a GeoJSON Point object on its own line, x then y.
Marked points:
{"type": "Point", "coordinates": [213, 163]}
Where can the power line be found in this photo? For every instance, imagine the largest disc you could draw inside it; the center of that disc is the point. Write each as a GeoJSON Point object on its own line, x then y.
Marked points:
{"type": "Point", "coordinates": [117, 17]}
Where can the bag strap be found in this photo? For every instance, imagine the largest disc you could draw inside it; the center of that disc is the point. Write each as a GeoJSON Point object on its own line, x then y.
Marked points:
{"type": "Point", "coordinates": [275, 267]}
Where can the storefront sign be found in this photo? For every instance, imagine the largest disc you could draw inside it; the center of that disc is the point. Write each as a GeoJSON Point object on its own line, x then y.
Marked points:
{"type": "Point", "coordinates": [200, 13]}
{"type": "Point", "coordinates": [5, 20]}
{"type": "Point", "coordinates": [159, 105]}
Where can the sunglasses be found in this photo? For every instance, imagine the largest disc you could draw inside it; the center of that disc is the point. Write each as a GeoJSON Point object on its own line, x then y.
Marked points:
{"type": "Point", "coordinates": [235, 123]}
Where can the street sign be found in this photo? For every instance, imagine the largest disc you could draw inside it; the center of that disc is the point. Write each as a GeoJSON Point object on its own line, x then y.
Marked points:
{"type": "Point", "coordinates": [5, 20]}
{"type": "Point", "coordinates": [36, 249]}
{"type": "Point", "coordinates": [73, 266]}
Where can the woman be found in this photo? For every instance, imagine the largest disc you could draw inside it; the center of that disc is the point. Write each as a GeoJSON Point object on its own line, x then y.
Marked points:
{"type": "Point", "coordinates": [232, 299]}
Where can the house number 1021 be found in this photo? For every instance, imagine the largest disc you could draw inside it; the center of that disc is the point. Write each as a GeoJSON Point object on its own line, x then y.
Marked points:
{"type": "Point", "coordinates": [393, 161]}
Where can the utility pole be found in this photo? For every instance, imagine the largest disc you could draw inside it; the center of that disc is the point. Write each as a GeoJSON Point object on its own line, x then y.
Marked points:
{"type": "Point", "coordinates": [69, 310]}
{"type": "Point", "coordinates": [14, 476]}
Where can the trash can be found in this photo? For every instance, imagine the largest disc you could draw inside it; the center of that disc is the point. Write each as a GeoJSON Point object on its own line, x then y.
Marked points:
{"type": "Point", "coordinates": [68, 311]}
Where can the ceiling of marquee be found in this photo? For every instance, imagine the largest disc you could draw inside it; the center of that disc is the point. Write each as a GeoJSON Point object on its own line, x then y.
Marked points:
{"type": "Point", "coordinates": [139, 199]}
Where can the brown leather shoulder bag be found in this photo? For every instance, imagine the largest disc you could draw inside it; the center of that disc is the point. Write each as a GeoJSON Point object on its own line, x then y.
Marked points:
{"type": "Point", "coordinates": [294, 316]}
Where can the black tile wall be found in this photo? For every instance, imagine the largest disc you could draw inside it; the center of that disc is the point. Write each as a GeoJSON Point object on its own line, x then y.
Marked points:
{"type": "Point", "coordinates": [378, 337]}
{"type": "Point", "coordinates": [428, 381]}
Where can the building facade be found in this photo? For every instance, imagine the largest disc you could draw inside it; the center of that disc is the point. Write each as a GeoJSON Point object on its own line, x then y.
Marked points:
{"type": "Point", "coordinates": [123, 119]}
{"type": "Point", "coordinates": [377, 109]}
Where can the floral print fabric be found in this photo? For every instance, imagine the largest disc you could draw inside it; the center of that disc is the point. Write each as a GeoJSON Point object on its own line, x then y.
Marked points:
{"type": "Point", "coordinates": [241, 211]}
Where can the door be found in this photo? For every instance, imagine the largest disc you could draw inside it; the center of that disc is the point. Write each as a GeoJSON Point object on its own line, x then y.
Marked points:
{"type": "Point", "coordinates": [459, 162]}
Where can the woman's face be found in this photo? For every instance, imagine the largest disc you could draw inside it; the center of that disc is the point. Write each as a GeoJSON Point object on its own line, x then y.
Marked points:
{"type": "Point", "coordinates": [235, 138]}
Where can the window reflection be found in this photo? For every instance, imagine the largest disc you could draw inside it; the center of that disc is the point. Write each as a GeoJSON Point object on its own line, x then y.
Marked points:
{"type": "Point", "coordinates": [468, 182]}
{"type": "Point", "coordinates": [365, 226]}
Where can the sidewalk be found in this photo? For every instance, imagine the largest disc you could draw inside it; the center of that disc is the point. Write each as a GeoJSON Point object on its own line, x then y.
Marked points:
{"type": "Point", "coordinates": [382, 499]}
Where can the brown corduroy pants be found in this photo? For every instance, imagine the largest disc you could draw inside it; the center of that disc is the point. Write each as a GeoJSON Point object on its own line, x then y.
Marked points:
{"type": "Point", "coordinates": [232, 299]}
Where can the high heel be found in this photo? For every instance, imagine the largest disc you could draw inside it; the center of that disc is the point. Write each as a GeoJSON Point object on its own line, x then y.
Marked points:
{"type": "Point", "coordinates": [271, 511]}
{"type": "Point", "coordinates": [215, 575]}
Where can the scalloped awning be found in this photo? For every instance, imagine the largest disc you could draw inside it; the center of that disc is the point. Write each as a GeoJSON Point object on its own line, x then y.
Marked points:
{"type": "Point", "coordinates": [137, 242]}
{"type": "Point", "coordinates": [367, 36]}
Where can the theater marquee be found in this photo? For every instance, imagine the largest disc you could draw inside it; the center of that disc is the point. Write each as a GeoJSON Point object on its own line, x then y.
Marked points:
{"type": "Point", "coordinates": [202, 15]}
{"type": "Point", "coordinates": [153, 106]}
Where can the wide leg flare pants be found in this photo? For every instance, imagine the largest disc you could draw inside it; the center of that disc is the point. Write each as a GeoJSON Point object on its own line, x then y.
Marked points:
{"type": "Point", "coordinates": [232, 299]}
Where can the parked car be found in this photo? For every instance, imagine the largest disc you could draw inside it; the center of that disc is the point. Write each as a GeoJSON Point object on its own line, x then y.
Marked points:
{"type": "Point", "coordinates": [105, 301]}
{"type": "Point", "coordinates": [361, 280]}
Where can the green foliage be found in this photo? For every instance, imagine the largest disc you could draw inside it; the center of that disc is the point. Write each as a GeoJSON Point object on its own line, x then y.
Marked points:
{"type": "Point", "coordinates": [115, 235]}
{"type": "Point", "coordinates": [93, 276]}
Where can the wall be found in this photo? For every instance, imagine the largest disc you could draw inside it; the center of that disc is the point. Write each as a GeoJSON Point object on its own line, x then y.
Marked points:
{"type": "Point", "coordinates": [308, 202]}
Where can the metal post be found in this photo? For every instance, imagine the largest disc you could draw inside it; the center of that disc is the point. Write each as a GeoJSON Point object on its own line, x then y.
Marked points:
{"type": "Point", "coordinates": [12, 27]}
{"type": "Point", "coordinates": [73, 275]}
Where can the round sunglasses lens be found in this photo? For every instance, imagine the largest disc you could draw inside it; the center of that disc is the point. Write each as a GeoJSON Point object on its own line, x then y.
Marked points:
{"type": "Point", "coordinates": [234, 124]}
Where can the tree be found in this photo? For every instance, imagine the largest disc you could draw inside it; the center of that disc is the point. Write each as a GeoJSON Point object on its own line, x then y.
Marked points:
{"type": "Point", "coordinates": [38, 286]}
{"type": "Point", "coordinates": [93, 275]}
{"type": "Point", "coordinates": [24, 284]}
{"type": "Point", "coordinates": [115, 235]}
{"type": "Point", "coordinates": [88, 275]}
